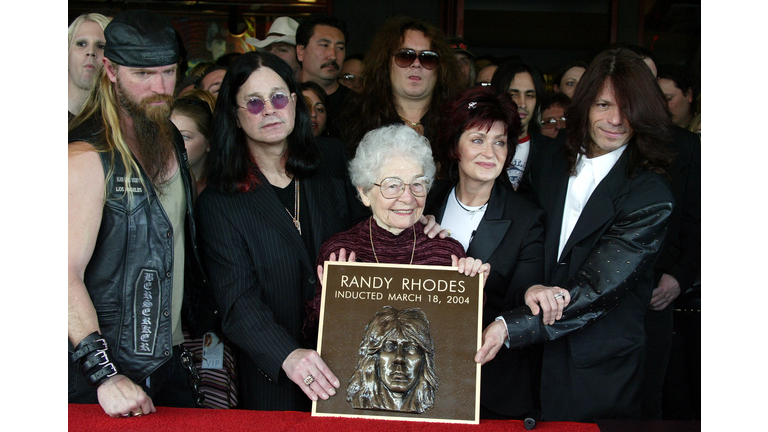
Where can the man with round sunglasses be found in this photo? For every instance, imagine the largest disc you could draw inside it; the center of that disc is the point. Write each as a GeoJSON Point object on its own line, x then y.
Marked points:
{"type": "Point", "coordinates": [410, 71]}
{"type": "Point", "coordinates": [255, 105]}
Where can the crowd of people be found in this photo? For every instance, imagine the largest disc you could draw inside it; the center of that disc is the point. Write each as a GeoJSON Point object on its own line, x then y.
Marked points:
{"type": "Point", "coordinates": [206, 202]}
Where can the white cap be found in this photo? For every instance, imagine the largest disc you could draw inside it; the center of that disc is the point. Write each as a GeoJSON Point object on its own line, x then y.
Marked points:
{"type": "Point", "coordinates": [282, 30]}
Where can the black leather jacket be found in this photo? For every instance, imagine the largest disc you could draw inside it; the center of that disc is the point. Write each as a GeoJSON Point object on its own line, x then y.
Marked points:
{"type": "Point", "coordinates": [129, 275]}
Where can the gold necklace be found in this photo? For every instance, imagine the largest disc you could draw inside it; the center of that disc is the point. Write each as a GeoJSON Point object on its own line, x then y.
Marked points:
{"type": "Point", "coordinates": [295, 207]}
{"type": "Point", "coordinates": [370, 233]}
{"type": "Point", "coordinates": [415, 126]}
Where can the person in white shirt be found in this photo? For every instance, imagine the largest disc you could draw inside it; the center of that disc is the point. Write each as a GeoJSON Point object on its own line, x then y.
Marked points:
{"type": "Point", "coordinates": [526, 85]}
{"type": "Point", "coordinates": [607, 199]}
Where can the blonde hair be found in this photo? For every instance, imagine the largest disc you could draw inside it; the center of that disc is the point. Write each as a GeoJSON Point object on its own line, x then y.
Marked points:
{"type": "Point", "coordinates": [75, 26]}
{"type": "Point", "coordinates": [102, 99]}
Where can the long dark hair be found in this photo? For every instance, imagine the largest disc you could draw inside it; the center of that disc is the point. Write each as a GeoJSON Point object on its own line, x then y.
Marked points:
{"type": "Point", "coordinates": [504, 76]}
{"type": "Point", "coordinates": [374, 105]}
{"type": "Point", "coordinates": [323, 96]}
{"type": "Point", "coordinates": [475, 107]}
{"type": "Point", "coordinates": [232, 168]}
{"type": "Point", "coordinates": [641, 102]}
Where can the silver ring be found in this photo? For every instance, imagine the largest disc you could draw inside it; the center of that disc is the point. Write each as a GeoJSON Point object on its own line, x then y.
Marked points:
{"type": "Point", "coordinates": [559, 295]}
{"type": "Point", "coordinates": [309, 379]}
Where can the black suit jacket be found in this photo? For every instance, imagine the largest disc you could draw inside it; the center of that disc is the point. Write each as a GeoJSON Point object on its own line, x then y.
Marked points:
{"type": "Point", "coordinates": [510, 238]}
{"type": "Point", "coordinates": [592, 365]}
{"type": "Point", "coordinates": [262, 272]}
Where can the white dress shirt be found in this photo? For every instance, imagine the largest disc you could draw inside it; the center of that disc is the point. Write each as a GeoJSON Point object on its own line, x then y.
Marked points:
{"type": "Point", "coordinates": [462, 220]}
{"type": "Point", "coordinates": [589, 174]}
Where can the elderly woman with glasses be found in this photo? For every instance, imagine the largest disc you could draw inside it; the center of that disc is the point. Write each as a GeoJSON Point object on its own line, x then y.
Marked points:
{"type": "Point", "coordinates": [392, 171]}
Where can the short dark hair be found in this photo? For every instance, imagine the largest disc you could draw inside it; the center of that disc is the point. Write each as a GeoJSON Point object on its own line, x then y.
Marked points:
{"type": "Point", "coordinates": [474, 107]}
{"type": "Point", "coordinates": [210, 69]}
{"type": "Point", "coordinates": [558, 98]}
{"type": "Point", "coordinates": [504, 76]}
{"type": "Point", "coordinates": [232, 168]}
{"type": "Point", "coordinates": [641, 102]}
{"type": "Point", "coordinates": [307, 27]}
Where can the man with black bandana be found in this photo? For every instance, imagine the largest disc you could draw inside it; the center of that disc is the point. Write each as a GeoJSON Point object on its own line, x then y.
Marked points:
{"type": "Point", "coordinates": [132, 258]}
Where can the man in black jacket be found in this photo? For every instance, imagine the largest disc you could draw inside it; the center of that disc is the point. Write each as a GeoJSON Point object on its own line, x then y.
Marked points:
{"type": "Point", "coordinates": [607, 201]}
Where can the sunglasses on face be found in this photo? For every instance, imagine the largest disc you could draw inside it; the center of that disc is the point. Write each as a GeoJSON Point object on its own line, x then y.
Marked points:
{"type": "Point", "coordinates": [256, 105]}
{"type": "Point", "coordinates": [406, 56]}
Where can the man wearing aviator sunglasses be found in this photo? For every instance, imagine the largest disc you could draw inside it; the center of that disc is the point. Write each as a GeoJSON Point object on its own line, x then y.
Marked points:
{"type": "Point", "coordinates": [406, 56]}
{"type": "Point", "coordinates": [410, 71]}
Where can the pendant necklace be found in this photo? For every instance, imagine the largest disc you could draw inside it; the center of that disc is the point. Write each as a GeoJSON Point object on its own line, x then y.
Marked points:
{"type": "Point", "coordinates": [415, 126]}
{"type": "Point", "coordinates": [295, 206]}
{"type": "Point", "coordinates": [471, 212]}
{"type": "Point", "coordinates": [370, 233]}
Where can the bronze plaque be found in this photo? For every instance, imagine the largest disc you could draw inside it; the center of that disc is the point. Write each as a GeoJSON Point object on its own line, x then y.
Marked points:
{"type": "Point", "coordinates": [401, 339]}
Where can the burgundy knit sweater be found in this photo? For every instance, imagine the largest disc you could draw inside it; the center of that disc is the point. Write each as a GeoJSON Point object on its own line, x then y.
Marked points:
{"type": "Point", "coordinates": [390, 249]}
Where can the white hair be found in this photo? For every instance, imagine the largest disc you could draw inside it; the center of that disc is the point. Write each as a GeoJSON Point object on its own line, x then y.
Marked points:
{"type": "Point", "coordinates": [380, 145]}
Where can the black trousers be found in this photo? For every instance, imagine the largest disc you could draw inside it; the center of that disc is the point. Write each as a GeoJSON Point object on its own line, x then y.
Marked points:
{"type": "Point", "coordinates": [658, 342]}
{"type": "Point", "coordinates": [167, 386]}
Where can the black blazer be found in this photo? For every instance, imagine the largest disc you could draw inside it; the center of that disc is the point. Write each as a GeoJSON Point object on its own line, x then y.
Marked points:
{"type": "Point", "coordinates": [510, 238]}
{"type": "Point", "coordinates": [592, 366]}
{"type": "Point", "coordinates": [262, 272]}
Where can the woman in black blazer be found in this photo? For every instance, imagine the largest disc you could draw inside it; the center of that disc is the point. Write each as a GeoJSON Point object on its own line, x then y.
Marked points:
{"type": "Point", "coordinates": [476, 202]}
{"type": "Point", "coordinates": [273, 198]}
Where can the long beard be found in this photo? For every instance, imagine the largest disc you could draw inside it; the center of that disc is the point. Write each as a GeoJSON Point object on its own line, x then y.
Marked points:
{"type": "Point", "coordinates": [154, 133]}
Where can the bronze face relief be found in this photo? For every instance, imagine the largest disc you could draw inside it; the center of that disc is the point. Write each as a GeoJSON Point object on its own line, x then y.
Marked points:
{"type": "Point", "coordinates": [396, 365]}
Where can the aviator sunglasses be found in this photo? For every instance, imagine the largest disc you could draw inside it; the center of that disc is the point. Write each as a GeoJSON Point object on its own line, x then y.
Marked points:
{"type": "Point", "coordinates": [256, 105]}
{"type": "Point", "coordinates": [406, 56]}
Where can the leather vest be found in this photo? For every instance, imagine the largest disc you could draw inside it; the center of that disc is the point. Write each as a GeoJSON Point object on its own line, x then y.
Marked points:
{"type": "Point", "coordinates": [129, 276]}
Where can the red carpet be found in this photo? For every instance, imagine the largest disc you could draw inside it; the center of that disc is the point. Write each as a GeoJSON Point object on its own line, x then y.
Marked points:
{"type": "Point", "coordinates": [87, 418]}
